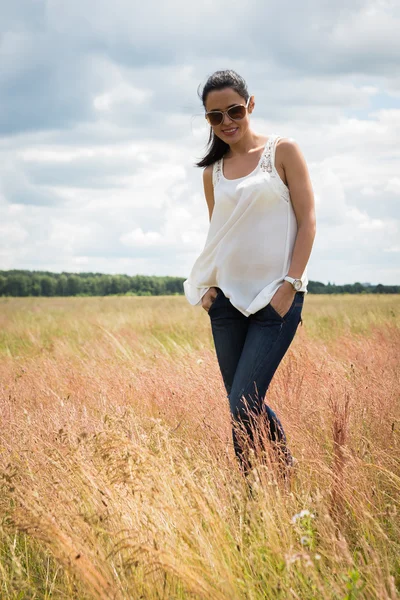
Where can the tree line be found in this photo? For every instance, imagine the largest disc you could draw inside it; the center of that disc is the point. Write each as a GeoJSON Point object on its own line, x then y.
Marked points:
{"type": "Point", "coordinates": [316, 287]}
{"type": "Point", "coordinates": [45, 283]}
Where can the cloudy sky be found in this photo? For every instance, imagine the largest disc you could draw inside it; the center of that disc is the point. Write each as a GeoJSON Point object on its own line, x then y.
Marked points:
{"type": "Point", "coordinates": [100, 124]}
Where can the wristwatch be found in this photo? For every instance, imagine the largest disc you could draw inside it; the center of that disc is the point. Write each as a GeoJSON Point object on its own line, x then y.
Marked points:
{"type": "Point", "coordinates": [296, 283]}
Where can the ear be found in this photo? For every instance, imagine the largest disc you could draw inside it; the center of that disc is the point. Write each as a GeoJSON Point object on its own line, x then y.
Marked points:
{"type": "Point", "coordinates": [251, 104]}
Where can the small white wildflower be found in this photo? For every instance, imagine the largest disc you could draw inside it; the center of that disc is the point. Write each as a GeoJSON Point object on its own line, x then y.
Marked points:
{"type": "Point", "coordinates": [317, 557]}
{"type": "Point", "coordinates": [303, 513]}
{"type": "Point", "coordinates": [304, 540]}
{"type": "Point", "coordinates": [308, 562]}
{"type": "Point", "coordinates": [291, 559]}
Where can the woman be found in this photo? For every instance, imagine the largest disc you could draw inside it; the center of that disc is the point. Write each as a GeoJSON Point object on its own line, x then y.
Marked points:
{"type": "Point", "coordinates": [251, 276]}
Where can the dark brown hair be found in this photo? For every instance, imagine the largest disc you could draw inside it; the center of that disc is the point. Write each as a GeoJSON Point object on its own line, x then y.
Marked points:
{"type": "Point", "coordinates": [218, 81]}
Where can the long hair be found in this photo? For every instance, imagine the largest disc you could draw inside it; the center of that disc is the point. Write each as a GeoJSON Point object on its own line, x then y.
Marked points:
{"type": "Point", "coordinates": [216, 148]}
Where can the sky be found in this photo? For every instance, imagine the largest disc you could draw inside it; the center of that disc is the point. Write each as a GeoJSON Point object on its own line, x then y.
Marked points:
{"type": "Point", "coordinates": [101, 124]}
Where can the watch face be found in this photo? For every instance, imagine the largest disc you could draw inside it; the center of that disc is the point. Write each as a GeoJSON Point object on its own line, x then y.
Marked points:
{"type": "Point", "coordinates": [297, 284]}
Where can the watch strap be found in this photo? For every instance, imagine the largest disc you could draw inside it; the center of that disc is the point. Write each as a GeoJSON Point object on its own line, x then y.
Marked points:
{"type": "Point", "coordinates": [292, 280]}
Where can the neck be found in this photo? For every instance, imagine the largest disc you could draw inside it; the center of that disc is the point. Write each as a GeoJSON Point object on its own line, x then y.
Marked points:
{"type": "Point", "coordinates": [249, 143]}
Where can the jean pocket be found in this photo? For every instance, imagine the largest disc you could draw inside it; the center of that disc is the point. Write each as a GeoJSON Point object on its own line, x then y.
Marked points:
{"type": "Point", "coordinates": [275, 312]}
{"type": "Point", "coordinates": [215, 300]}
{"type": "Point", "coordinates": [297, 302]}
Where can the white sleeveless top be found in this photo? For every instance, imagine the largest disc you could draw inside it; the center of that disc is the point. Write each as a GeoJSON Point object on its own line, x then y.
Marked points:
{"type": "Point", "coordinates": [252, 231]}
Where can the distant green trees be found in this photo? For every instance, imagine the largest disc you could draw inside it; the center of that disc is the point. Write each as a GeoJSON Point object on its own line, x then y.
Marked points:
{"type": "Point", "coordinates": [316, 287]}
{"type": "Point", "coordinates": [45, 283]}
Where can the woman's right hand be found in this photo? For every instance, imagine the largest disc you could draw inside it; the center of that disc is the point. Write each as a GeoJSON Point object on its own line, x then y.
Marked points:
{"type": "Point", "coordinates": [209, 298]}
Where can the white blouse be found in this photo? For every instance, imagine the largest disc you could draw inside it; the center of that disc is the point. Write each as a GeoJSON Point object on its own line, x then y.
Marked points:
{"type": "Point", "coordinates": [250, 241]}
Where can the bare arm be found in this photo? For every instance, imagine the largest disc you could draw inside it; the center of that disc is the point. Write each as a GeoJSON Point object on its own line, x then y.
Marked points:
{"type": "Point", "coordinates": [291, 160]}
{"type": "Point", "coordinates": [302, 197]}
{"type": "Point", "coordinates": [209, 189]}
{"type": "Point", "coordinates": [209, 297]}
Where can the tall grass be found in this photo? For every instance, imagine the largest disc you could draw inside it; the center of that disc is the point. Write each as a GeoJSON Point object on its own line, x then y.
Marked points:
{"type": "Point", "coordinates": [117, 473]}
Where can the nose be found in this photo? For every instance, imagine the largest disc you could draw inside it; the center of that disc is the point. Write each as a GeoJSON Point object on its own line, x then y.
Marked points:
{"type": "Point", "coordinates": [229, 120]}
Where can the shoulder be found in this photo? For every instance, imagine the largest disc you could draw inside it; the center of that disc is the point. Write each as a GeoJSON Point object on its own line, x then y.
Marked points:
{"type": "Point", "coordinates": [291, 159]}
{"type": "Point", "coordinates": [207, 173]}
{"type": "Point", "coordinates": [208, 180]}
{"type": "Point", "coordinates": [287, 150]}
{"type": "Point", "coordinates": [286, 144]}
{"type": "Point", "coordinates": [209, 188]}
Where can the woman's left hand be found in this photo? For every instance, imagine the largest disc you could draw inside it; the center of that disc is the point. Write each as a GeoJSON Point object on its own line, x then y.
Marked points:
{"type": "Point", "coordinates": [282, 300]}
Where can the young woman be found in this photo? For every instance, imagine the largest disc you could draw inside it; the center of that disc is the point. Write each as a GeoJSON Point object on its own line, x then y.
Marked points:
{"type": "Point", "coordinates": [251, 276]}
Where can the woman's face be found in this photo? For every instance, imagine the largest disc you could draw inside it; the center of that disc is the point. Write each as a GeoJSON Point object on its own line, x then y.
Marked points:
{"type": "Point", "coordinates": [229, 131]}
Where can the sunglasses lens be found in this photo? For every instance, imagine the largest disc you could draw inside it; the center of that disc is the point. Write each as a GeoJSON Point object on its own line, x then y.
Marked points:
{"type": "Point", "coordinates": [237, 112]}
{"type": "Point", "coordinates": [215, 118]}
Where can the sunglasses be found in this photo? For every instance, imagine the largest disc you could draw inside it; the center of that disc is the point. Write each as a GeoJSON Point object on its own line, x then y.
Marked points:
{"type": "Point", "coordinates": [237, 112]}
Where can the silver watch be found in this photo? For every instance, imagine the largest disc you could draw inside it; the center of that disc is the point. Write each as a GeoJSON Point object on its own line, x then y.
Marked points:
{"type": "Point", "coordinates": [296, 283]}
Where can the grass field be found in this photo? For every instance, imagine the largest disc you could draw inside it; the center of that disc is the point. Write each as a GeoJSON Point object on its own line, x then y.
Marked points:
{"type": "Point", "coordinates": [118, 478]}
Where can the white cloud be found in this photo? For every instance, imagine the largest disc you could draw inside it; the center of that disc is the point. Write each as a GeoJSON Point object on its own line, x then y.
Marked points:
{"type": "Point", "coordinates": [393, 185]}
{"type": "Point", "coordinates": [139, 238]}
{"type": "Point", "coordinates": [102, 125]}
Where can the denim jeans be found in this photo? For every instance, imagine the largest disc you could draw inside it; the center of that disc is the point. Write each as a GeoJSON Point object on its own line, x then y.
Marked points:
{"type": "Point", "coordinates": [249, 350]}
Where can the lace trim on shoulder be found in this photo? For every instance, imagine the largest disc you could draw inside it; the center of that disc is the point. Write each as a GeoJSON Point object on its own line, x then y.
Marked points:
{"type": "Point", "coordinates": [267, 165]}
{"type": "Point", "coordinates": [217, 171]}
{"type": "Point", "coordinates": [266, 162]}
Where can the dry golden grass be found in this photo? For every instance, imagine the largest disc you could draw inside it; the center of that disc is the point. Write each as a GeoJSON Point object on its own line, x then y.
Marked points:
{"type": "Point", "coordinates": [117, 473]}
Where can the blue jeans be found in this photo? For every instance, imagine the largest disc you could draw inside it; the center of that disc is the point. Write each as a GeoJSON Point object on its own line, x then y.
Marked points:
{"type": "Point", "coordinates": [249, 350]}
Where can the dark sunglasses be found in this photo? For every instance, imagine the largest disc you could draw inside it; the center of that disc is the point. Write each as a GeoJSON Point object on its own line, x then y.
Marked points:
{"type": "Point", "coordinates": [237, 112]}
